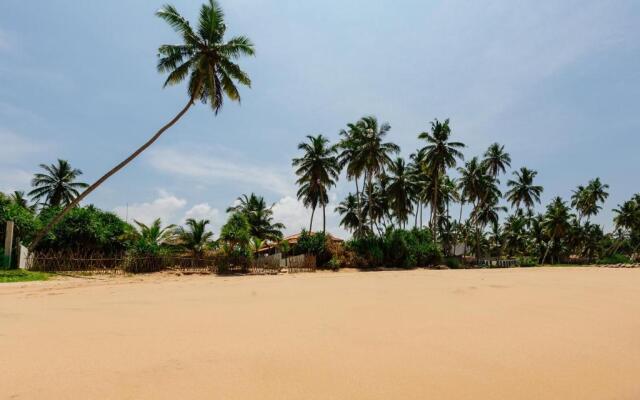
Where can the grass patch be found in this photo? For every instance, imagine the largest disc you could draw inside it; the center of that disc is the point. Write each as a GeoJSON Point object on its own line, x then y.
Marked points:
{"type": "Point", "coordinates": [20, 275]}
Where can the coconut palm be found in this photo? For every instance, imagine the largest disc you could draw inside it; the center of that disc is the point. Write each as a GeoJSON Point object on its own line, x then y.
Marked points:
{"type": "Point", "coordinates": [58, 185]}
{"type": "Point", "coordinates": [349, 210]}
{"type": "Point", "coordinates": [496, 160]}
{"type": "Point", "coordinates": [579, 200]}
{"type": "Point", "coordinates": [440, 153]}
{"type": "Point", "coordinates": [318, 170]}
{"type": "Point", "coordinates": [18, 197]}
{"type": "Point", "coordinates": [351, 139]}
{"type": "Point", "coordinates": [627, 215]}
{"type": "Point", "coordinates": [260, 217]}
{"type": "Point", "coordinates": [154, 235]}
{"type": "Point", "coordinates": [556, 223]}
{"type": "Point", "coordinates": [596, 195]}
{"type": "Point", "coordinates": [400, 191]}
{"type": "Point", "coordinates": [523, 191]}
{"type": "Point", "coordinates": [373, 154]}
{"type": "Point", "coordinates": [196, 238]}
{"type": "Point", "coordinates": [205, 59]}
{"type": "Point", "coordinates": [421, 182]}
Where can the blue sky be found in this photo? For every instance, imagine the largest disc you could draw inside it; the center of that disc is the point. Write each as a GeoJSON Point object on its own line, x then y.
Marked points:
{"type": "Point", "coordinates": [556, 82]}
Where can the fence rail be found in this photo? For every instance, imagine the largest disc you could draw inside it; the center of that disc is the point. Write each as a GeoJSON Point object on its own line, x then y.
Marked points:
{"type": "Point", "coordinates": [124, 263]}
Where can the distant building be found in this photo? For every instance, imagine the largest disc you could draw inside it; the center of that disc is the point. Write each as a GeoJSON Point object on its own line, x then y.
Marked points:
{"type": "Point", "coordinates": [272, 247]}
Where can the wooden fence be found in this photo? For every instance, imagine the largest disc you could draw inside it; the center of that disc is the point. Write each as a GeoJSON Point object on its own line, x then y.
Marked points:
{"type": "Point", "coordinates": [70, 262]}
{"type": "Point", "coordinates": [498, 263]}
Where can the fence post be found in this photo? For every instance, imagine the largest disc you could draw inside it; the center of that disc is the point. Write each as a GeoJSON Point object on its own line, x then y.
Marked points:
{"type": "Point", "coordinates": [8, 244]}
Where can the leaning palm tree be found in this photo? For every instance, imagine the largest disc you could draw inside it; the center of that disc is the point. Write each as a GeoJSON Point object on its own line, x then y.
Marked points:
{"type": "Point", "coordinates": [57, 186]}
{"type": "Point", "coordinates": [440, 154]}
{"type": "Point", "coordinates": [196, 238]}
{"type": "Point", "coordinates": [579, 201]}
{"type": "Point", "coordinates": [523, 191]}
{"type": "Point", "coordinates": [318, 170]}
{"type": "Point", "coordinates": [203, 58]}
{"type": "Point", "coordinates": [496, 160]}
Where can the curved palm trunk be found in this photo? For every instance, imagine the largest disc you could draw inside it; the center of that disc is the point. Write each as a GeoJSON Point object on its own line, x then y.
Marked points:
{"type": "Point", "coordinates": [546, 252]}
{"type": "Point", "coordinates": [358, 205]}
{"type": "Point", "coordinates": [370, 211]}
{"type": "Point", "coordinates": [106, 176]}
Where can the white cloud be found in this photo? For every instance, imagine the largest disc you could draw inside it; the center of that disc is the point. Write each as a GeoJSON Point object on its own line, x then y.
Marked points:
{"type": "Point", "coordinates": [14, 179]}
{"type": "Point", "coordinates": [165, 207]}
{"type": "Point", "coordinates": [205, 211]}
{"type": "Point", "coordinates": [213, 169]}
{"type": "Point", "coordinates": [295, 216]}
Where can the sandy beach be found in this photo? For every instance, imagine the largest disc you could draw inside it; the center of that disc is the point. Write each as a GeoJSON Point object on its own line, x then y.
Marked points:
{"type": "Point", "coordinates": [539, 333]}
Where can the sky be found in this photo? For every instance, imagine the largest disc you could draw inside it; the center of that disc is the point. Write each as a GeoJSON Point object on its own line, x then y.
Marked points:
{"type": "Point", "coordinates": [556, 82]}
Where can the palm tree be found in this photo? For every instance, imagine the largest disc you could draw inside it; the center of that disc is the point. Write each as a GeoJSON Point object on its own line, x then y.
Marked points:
{"type": "Point", "coordinates": [154, 235]}
{"type": "Point", "coordinates": [400, 191]}
{"type": "Point", "coordinates": [19, 198]}
{"type": "Point", "coordinates": [579, 200]}
{"type": "Point", "coordinates": [523, 191]}
{"type": "Point", "coordinates": [556, 223]}
{"type": "Point", "coordinates": [195, 239]}
{"type": "Point", "coordinates": [349, 145]}
{"type": "Point", "coordinates": [350, 211]}
{"type": "Point", "coordinates": [627, 215]}
{"type": "Point", "coordinates": [421, 183]}
{"type": "Point", "coordinates": [57, 186]}
{"type": "Point", "coordinates": [496, 160]}
{"type": "Point", "coordinates": [260, 217]}
{"type": "Point", "coordinates": [596, 194]}
{"type": "Point", "coordinates": [373, 154]}
{"type": "Point", "coordinates": [440, 154]}
{"type": "Point", "coordinates": [318, 170]}
{"type": "Point", "coordinates": [205, 59]}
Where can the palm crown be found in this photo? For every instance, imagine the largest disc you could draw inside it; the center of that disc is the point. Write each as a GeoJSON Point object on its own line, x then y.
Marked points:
{"type": "Point", "coordinates": [57, 186]}
{"type": "Point", "coordinates": [204, 57]}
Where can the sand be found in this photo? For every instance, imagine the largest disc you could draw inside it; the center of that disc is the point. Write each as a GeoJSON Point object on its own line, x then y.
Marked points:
{"type": "Point", "coordinates": [538, 333]}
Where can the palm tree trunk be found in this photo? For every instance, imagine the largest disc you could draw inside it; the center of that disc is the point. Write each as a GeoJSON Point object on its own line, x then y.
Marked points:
{"type": "Point", "coordinates": [370, 211]}
{"type": "Point", "coordinates": [415, 224]}
{"type": "Point", "coordinates": [106, 176]}
{"type": "Point", "coordinates": [313, 211]}
{"type": "Point", "coordinates": [324, 218]}
{"type": "Point", "coordinates": [546, 252]}
{"type": "Point", "coordinates": [358, 205]}
{"type": "Point", "coordinates": [434, 206]}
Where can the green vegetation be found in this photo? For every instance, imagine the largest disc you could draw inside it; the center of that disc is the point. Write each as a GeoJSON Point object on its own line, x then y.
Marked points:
{"type": "Point", "coordinates": [391, 192]}
{"type": "Point", "coordinates": [20, 275]}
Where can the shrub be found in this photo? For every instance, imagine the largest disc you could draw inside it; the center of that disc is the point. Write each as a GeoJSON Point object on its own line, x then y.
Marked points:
{"type": "Point", "coordinates": [526, 261]}
{"type": "Point", "coordinates": [452, 262]}
{"type": "Point", "coordinates": [316, 244]}
{"type": "Point", "coordinates": [397, 248]}
{"type": "Point", "coordinates": [616, 258]}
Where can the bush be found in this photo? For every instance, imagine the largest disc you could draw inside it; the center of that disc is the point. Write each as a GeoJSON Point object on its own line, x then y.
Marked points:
{"type": "Point", "coordinates": [397, 248]}
{"type": "Point", "coordinates": [452, 262]}
{"type": "Point", "coordinates": [527, 261]}
{"type": "Point", "coordinates": [316, 244]}
{"type": "Point", "coordinates": [616, 258]}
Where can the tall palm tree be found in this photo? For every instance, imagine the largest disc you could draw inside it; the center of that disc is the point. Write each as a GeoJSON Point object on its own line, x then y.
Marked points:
{"type": "Point", "coordinates": [205, 59]}
{"type": "Point", "coordinates": [440, 154]}
{"type": "Point", "coordinates": [422, 183]}
{"type": "Point", "coordinates": [351, 139]}
{"type": "Point", "coordinates": [496, 160]}
{"type": "Point", "coordinates": [579, 200]}
{"type": "Point", "coordinates": [596, 195]}
{"type": "Point", "coordinates": [196, 238]}
{"type": "Point", "coordinates": [556, 223]}
{"type": "Point", "coordinates": [373, 154]}
{"type": "Point", "coordinates": [523, 191]}
{"type": "Point", "coordinates": [400, 191]}
{"type": "Point", "coordinates": [318, 170]}
{"type": "Point", "coordinates": [260, 217]}
{"type": "Point", "coordinates": [57, 186]}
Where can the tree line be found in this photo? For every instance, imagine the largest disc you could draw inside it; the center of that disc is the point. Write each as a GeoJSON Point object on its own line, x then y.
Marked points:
{"type": "Point", "coordinates": [391, 193]}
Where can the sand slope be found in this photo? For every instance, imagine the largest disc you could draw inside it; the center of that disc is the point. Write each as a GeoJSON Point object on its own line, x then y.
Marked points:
{"type": "Point", "coordinates": [543, 333]}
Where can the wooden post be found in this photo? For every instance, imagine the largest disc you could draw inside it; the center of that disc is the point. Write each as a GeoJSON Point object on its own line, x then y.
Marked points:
{"type": "Point", "coordinates": [8, 242]}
